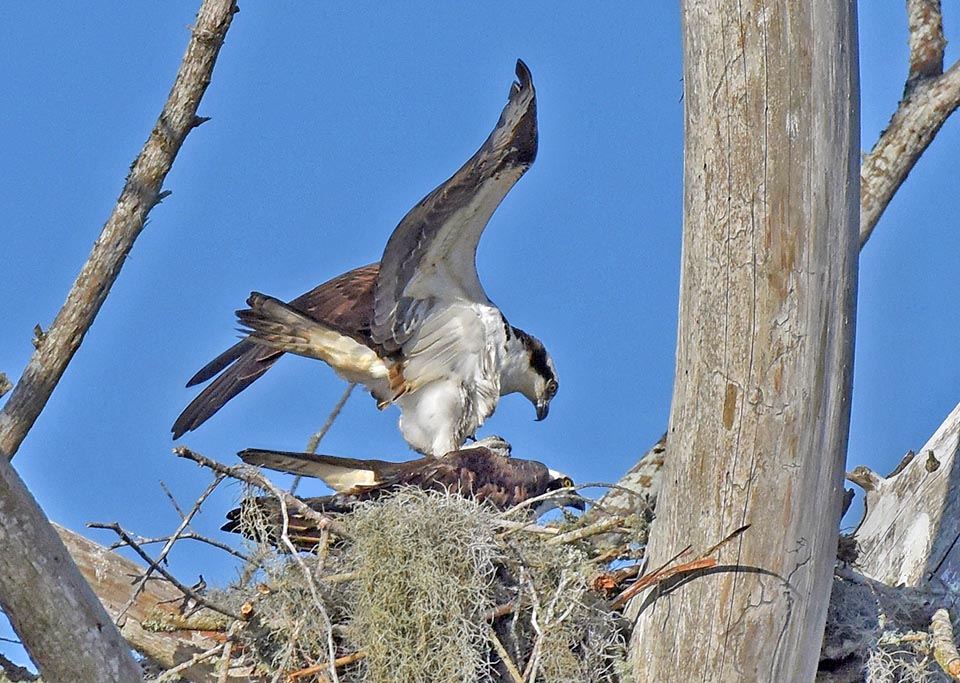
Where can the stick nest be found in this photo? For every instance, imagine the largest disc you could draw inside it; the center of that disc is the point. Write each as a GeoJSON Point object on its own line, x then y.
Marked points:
{"type": "Point", "coordinates": [429, 587]}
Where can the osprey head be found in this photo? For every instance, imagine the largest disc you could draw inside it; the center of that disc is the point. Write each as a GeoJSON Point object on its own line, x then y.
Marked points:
{"type": "Point", "coordinates": [529, 370]}
{"type": "Point", "coordinates": [569, 499]}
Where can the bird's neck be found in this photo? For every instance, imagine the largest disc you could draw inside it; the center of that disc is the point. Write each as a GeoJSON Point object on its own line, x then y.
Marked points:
{"type": "Point", "coordinates": [516, 362]}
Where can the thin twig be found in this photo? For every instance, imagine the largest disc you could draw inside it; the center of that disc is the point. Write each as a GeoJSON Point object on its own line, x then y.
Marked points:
{"type": "Point", "coordinates": [504, 656]}
{"type": "Point", "coordinates": [656, 577]}
{"type": "Point", "coordinates": [665, 571]}
{"type": "Point", "coordinates": [716, 546]}
{"type": "Point", "coordinates": [152, 565]}
{"type": "Point", "coordinates": [168, 546]}
{"type": "Point", "coordinates": [315, 440]}
{"type": "Point", "coordinates": [530, 669]}
{"type": "Point", "coordinates": [323, 548]}
{"type": "Point", "coordinates": [189, 536]}
{"type": "Point", "coordinates": [530, 502]}
{"type": "Point", "coordinates": [254, 477]}
{"type": "Point", "coordinates": [314, 593]}
{"type": "Point", "coordinates": [603, 526]}
{"type": "Point", "coordinates": [228, 651]}
{"type": "Point", "coordinates": [530, 526]}
{"type": "Point", "coordinates": [319, 668]}
{"type": "Point", "coordinates": [173, 501]}
{"type": "Point", "coordinates": [173, 674]}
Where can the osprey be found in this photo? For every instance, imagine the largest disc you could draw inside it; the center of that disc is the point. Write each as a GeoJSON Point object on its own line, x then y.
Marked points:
{"type": "Point", "coordinates": [485, 474]}
{"type": "Point", "coordinates": [416, 329]}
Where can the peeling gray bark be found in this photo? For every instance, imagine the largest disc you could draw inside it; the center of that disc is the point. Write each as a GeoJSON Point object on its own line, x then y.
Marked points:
{"type": "Point", "coordinates": [910, 532]}
{"type": "Point", "coordinates": [760, 411]}
{"type": "Point", "coordinates": [110, 576]}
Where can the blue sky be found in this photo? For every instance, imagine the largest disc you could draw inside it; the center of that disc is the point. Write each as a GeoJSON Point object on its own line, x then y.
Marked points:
{"type": "Point", "coordinates": [329, 121]}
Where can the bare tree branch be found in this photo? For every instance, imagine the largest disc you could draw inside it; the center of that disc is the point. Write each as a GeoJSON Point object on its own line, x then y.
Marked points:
{"type": "Point", "coordinates": [168, 546]}
{"type": "Point", "coordinates": [154, 565]}
{"type": "Point", "coordinates": [929, 98]}
{"type": "Point", "coordinates": [314, 441]}
{"type": "Point", "coordinates": [141, 192]}
{"type": "Point", "coordinates": [54, 611]}
{"type": "Point", "coordinates": [253, 477]}
{"type": "Point", "coordinates": [926, 39]}
{"type": "Point", "coordinates": [110, 576]}
{"type": "Point", "coordinates": [188, 536]}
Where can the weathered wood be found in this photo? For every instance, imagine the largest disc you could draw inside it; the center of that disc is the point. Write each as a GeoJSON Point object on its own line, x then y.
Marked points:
{"type": "Point", "coordinates": [760, 411]}
{"type": "Point", "coordinates": [141, 192]}
{"type": "Point", "coordinates": [922, 112]}
{"type": "Point", "coordinates": [910, 532]}
{"type": "Point", "coordinates": [930, 96]}
{"type": "Point", "coordinates": [56, 614]}
{"type": "Point", "coordinates": [112, 577]}
{"type": "Point", "coordinates": [53, 610]}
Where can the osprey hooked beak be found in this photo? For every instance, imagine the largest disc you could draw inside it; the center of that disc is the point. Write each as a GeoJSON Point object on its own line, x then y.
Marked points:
{"type": "Point", "coordinates": [566, 499]}
{"type": "Point", "coordinates": [543, 409]}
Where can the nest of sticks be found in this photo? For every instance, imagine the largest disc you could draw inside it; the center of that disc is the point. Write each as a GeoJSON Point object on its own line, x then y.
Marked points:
{"type": "Point", "coordinates": [425, 586]}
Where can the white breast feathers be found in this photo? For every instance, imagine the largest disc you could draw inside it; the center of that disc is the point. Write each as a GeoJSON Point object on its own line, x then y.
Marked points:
{"type": "Point", "coordinates": [452, 371]}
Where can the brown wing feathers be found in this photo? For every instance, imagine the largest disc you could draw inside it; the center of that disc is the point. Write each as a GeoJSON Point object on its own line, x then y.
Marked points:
{"type": "Point", "coordinates": [345, 303]}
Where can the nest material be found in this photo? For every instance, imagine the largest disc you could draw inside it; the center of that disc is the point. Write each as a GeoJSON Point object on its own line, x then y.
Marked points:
{"type": "Point", "coordinates": [414, 591]}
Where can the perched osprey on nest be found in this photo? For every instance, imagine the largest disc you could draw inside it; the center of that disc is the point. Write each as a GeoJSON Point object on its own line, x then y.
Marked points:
{"type": "Point", "coordinates": [417, 328]}
{"type": "Point", "coordinates": [487, 475]}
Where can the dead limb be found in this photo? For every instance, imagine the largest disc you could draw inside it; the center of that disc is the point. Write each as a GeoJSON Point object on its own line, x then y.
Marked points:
{"type": "Point", "coordinates": [154, 565]}
{"type": "Point", "coordinates": [253, 477]}
{"type": "Point", "coordinates": [930, 97]}
{"type": "Point", "coordinates": [168, 546]}
{"type": "Point", "coordinates": [37, 577]}
{"type": "Point", "coordinates": [944, 647]}
{"type": "Point", "coordinates": [189, 652]}
{"type": "Point", "coordinates": [141, 192]}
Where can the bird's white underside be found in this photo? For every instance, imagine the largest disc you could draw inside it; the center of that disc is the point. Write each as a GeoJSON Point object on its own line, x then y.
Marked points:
{"type": "Point", "coordinates": [453, 368]}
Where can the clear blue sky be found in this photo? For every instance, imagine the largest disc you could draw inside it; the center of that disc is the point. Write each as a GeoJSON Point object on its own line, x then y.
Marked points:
{"type": "Point", "coordinates": [329, 121]}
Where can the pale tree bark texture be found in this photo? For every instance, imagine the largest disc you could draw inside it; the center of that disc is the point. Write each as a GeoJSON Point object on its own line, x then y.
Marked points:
{"type": "Point", "coordinates": [54, 611]}
{"type": "Point", "coordinates": [760, 412]}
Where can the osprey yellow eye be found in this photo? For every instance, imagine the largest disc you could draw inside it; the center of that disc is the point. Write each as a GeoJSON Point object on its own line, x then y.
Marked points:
{"type": "Point", "coordinates": [552, 388]}
{"type": "Point", "coordinates": [566, 482]}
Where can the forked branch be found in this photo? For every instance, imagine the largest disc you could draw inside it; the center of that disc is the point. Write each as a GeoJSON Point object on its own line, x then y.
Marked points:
{"type": "Point", "coordinates": [929, 97]}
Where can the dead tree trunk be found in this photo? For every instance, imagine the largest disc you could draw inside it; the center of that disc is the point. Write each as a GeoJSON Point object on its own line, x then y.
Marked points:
{"type": "Point", "coordinates": [910, 532]}
{"type": "Point", "coordinates": [760, 413]}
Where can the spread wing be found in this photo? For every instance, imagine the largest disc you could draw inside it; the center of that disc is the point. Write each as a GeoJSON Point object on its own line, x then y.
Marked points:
{"type": "Point", "coordinates": [431, 255]}
{"type": "Point", "coordinates": [345, 303]}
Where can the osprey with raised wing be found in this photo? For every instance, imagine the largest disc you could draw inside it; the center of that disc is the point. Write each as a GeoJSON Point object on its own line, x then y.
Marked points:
{"type": "Point", "coordinates": [416, 329]}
